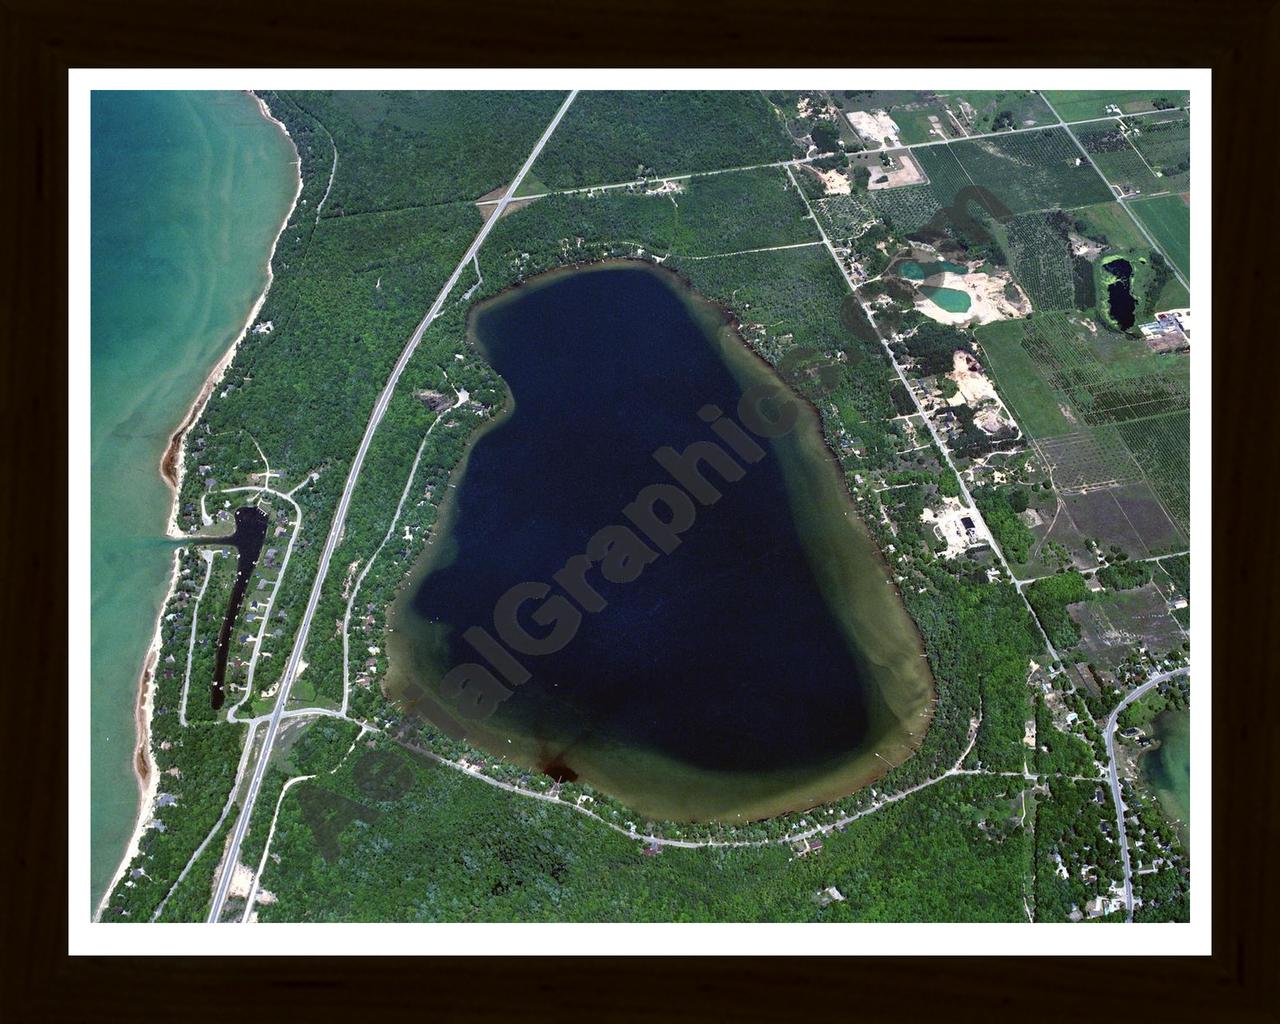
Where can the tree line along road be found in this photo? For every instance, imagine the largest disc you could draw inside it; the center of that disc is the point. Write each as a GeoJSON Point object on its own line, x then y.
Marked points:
{"type": "Point", "coordinates": [232, 854]}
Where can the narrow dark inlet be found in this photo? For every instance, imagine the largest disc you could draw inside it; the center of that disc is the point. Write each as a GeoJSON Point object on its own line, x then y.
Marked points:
{"type": "Point", "coordinates": [251, 530]}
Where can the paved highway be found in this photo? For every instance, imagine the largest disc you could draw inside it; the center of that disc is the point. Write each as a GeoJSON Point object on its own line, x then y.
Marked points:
{"type": "Point", "coordinates": [232, 856]}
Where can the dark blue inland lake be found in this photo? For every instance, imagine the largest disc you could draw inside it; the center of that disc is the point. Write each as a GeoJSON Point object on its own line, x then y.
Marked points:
{"type": "Point", "coordinates": [752, 658]}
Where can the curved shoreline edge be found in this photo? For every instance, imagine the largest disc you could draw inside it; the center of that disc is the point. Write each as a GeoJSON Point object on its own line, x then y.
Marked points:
{"type": "Point", "coordinates": [172, 469]}
{"type": "Point", "coordinates": [727, 326]}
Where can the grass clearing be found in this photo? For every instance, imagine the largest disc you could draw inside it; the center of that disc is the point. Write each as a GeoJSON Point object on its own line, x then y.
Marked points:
{"type": "Point", "coordinates": [1082, 104]}
{"type": "Point", "coordinates": [1168, 218]}
{"type": "Point", "coordinates": [1165, 144]}
{"type": "Point", "coordinates": [1034, 404]}
{"type": "Point", "coordinates": [1111, 224]}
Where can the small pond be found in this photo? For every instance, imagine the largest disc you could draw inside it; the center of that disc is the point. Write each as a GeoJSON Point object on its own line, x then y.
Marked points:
{"type": "Point", "coordinates": [953, 300]}
{"type": "Point", "coordinates": [1121, 302]}
{"type": "Point", "coordinates": [913, 271]}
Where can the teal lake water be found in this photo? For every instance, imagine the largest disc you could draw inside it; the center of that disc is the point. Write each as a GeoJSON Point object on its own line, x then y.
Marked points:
{"type": "Point", "coordinates": [953, 300]}
{"type": "Point", "coordinates": [1169, 767]}
{"type": "Point", "coordinates": [188, 192]}
{"type": "Point", "coordinates": [913, 271]}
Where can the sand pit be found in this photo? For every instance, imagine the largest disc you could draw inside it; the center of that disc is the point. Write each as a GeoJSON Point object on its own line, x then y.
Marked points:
{"type": "Point", "coordinates": [905, 171]}
{"type": "Point", "coordinates": [876, 127]}
{"type": "Point", "coordinates": [988, 301]}
{"type": "Point", "coordinates": [974, 389]}
{"type": "Point", "coordinates": [835, 183]}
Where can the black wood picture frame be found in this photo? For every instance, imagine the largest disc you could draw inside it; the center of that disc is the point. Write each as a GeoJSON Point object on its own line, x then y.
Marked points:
{"type": "Point", "coordinates": [42, 39]}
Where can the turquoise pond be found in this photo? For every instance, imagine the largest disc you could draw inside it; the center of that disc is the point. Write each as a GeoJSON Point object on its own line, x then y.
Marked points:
{"type": "Point", "coordinates": [913, 271]}
{"type": "Point", "coordinates": [951, 299]}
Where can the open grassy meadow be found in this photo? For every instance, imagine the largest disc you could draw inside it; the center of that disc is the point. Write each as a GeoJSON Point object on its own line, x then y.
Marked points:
{"type": "Point", "coordinates": [1168, 218]}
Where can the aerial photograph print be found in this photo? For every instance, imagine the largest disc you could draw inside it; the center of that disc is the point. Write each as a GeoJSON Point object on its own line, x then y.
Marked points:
{"type": "Point", "coordinates": [597, 505]}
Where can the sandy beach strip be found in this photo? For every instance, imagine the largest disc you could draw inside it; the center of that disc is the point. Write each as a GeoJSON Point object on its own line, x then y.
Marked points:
{"type": "Point", "coordinates": [145, 770]}
{"type": "Point", "coordinates": [173, 463]}
{"type": "Point", "coordinates": [172, 468]}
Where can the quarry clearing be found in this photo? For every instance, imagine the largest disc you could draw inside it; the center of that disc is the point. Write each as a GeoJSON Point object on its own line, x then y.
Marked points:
{"type": "Point", "coordinates": [989, 298]}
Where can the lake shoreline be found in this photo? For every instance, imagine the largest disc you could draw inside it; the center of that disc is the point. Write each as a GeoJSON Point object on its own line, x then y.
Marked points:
{"type": "Point", "coordinates": [842, 778]}
{"type": "Point", "coordinates": [173, 462]}
{"type": "Point", "coordinates": [171, 470]}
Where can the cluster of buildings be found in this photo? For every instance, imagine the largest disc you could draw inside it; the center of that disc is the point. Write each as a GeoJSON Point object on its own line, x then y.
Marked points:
{"type": "Point", "coordinates": [1170, 331]}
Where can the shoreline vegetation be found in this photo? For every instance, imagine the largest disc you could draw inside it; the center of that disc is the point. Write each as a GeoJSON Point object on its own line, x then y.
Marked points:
{"type": "Point", "coordinates": [906, 718]}
{"type": "Point", "coordinates": [171, 470]}
{"type": "Point", "coordinates": [1016, 780]}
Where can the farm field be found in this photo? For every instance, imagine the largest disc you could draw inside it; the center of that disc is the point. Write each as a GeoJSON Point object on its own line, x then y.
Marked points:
{"type": "Point", "coordinates": [1105, 415]}
{"type": "Point", "coordinates": [1089, 459]}
{"type": "Point", "coordinates": [1041, 261]}
{"type": "Point", "coordinates": [1116, 158]}
{"type": "Point", "coordinates": [1165, 143]}
{"type": "Point", "coordinates": [1082, 104]}
{"type": "Point", "coordinates": [1035, 170]}
{"type": "Point", "coordinates": [1114, 623]}
{"type": "Point", "coordinates": [907, 209]}
{"type": "Point", "coordinates": [1107, 376]}
{"type": "Point", "coordinates": [1127, 515]}
{"type": "Point", "coordinates": [1168, 218]}
{"type": "Point", "coordinates": [1162, 447]}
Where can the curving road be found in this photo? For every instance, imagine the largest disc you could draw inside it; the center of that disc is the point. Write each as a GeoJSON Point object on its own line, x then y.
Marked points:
{"type": "Point", "coordinates": [1114, 775]}
{"type": "Point", "coordinates": [339, 519]}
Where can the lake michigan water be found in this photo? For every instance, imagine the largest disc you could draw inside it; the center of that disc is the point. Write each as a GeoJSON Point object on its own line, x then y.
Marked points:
{"type": "Point", "coordinates": [188, 192]}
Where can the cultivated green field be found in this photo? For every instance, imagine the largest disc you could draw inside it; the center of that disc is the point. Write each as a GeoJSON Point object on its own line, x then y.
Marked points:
{"type": "Point", "coordinates": [1081, 104]}
{"type": "Point", "coordinates": [1164, 140]}
{"type": "Point", "coordinates": [1035, 170]}
{"type": "Point", "coordinates": [1162, 446]}
{"type": "Point", "coordinates": [1040, 260]}
{"type": "Point", "coordinates": [1110, 221]}
{"type": "Point", "coordinates": [1168, 218]}
{"type": "Point", "coordinates": [1036, 406]}
{"type": "Point", "coordinates": [1116, 158]}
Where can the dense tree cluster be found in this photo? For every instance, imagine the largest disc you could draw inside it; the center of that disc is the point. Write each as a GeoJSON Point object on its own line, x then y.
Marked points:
{"type": "Point", "coordinates": [1050, 597]}
{"type": "Point", "coordinates": [1000, 507]}
{"type": "Point", "coordinates": [617, 136]}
